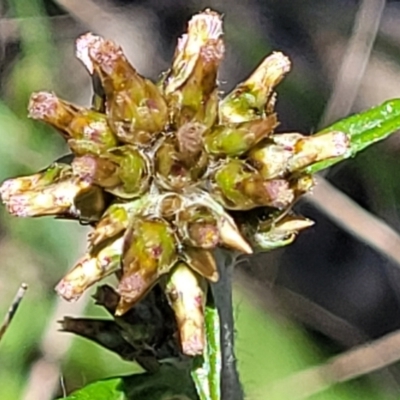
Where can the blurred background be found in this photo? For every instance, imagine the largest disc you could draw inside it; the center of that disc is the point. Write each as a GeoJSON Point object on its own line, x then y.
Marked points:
{"type": "Point", "coordinates": [334, 289]}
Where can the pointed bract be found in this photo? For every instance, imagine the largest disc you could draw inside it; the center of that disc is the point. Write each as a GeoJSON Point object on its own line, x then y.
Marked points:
{"type": "Point", "coordinates": [270, 236]}
{"type": "Point", "coordinates": [231, 237]}
{"type": "Point", "coordinates": [234, 140]}
{"type": "Point", "coordinates": [202, 261]}
{"type": "Point", "coordinates": [186, 293]}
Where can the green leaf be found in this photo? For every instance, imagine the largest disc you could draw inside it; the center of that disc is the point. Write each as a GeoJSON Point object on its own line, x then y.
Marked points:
{"type": "Point", "coordinates": [110, 389]}
{"type": "Point", "coordinates": [169, 383]}
{"type": "Point", "coordinates": [363, 129]}
{"type": "Point", "coordinates": [206, 371]}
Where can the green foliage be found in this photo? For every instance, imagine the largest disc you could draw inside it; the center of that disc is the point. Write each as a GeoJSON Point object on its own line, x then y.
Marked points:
{"type": "Point", "coordinates": [169, 383]}
{"type": "Point", "coordinates": [364, 129]}
{"type": "Point", "coordinates": [206, 372]}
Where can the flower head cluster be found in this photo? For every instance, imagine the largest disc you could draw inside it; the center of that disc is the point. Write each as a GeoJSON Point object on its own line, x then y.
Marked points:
{"type": "Point", "coordinates": [162, 170]}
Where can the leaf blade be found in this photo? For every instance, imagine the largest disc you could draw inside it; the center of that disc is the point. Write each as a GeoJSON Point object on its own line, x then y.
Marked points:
{"type": "Point", "coordinates": [110, 389]}
{"type": "Point", "coordinates": [363, 129]}
{"type": "Point", "coordinates": [169, 381]}
{"type": "Point", "coordinates": [206, 373]}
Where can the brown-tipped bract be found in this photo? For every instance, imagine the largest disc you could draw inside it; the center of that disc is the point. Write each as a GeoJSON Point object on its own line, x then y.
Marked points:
{"type": "Point", "coordinates": [186, 293]}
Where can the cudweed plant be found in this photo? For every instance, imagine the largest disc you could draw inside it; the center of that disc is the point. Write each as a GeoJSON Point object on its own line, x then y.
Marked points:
{"type": "Point", "coordinates": [176, 181]}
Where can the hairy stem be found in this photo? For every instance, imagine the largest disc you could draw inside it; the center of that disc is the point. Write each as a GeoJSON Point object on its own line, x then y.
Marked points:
{"type": "Point", "coordinates": [231, 388]}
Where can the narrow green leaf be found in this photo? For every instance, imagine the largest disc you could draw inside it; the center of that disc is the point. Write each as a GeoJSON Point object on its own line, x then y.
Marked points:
{"type": "Point", "coordinates": [169, 383]}
{"type": "Point", "coordinates": [206, 372]}
{"type": "Point", "coordinates": [363, 129]}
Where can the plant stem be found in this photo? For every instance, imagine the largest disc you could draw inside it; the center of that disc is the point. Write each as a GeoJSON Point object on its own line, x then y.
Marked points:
{"type": "Point", "coordinates": [231, 388]}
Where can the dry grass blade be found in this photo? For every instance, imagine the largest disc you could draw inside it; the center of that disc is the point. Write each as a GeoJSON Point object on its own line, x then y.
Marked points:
{"type": "Point", "coordinates": [355, 60]}
{"type": "Point", "coordinates": [120, 25]}
{"type": "Point", "coordinates": [44, 376]}
{"type": "Point", "coordinates": [88, 12]}
{"type": "Point", "coordinates": [355, 220]}
{"type": "Point", "coordinates": [13, 309]}
{"type": "Point", "coordinates": [352, 364]}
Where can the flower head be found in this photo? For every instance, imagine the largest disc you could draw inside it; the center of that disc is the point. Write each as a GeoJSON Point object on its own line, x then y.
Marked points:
{"type": "Point", "coordinates": [167, 172]}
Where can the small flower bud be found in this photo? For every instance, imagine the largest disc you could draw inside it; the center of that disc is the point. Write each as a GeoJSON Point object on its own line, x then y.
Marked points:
{"type": "Point", "coordinates": [82, 53]}
{"type": "Point", "coordinates": [291, 152]}
{"type": "Point", "coordinates": [87, 129]}
{"type": "Point", "coordinates": [150, 250]}
{"type": "Point", "coordinates": [189, 139]}
{"type": "Point", "coordinates": [186, 293]}
{"type": "Point", "coordinates": [240, 187]}
{"type": "Point", "coordinates": [314, 148]}
{"type": "Point", "coordinates": [172, 170]}
{"type": "Point", "coordinates": [275, 193]}
{"type": "Point", "coordinates": [96, 170]}
{"type": "Point", "coordinates": [123, 171]}
{"type": "Point", "coordinates": [227, 179]}
{"type": "Point", "coordinates": [198, 226]}
{"type": "Point", "coordinates": [204, 227]}
{"type": "Point", "coordinates": [168, 205]}
{"type": "Point", "coordinates": [89, 204]}
{"type": "Point", "coordinates": [229, 235]}
{"type": "Point", "coordinates": [91, 269]}
{"type": "Point", "coordinates": [114, 221]}
{"type": "Point", "coordinates": [14, 186]}
{"type": "Point", "coordinates": [270, 159]}
{"type": "Point", "coordinates": [58, 198]}
{"type": "Point", "coordinates": [134, 171]}
{"type": "Point", "coordinates": [135, 106]}
{"type": "Point", "coordinates": [273, 235]}
{"type": "Point", "coordinates": [235, 140]}
{"type": "Point", "coordinates": [249, 100]}
{"type": "Point", "coordinates": [191, 87]}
